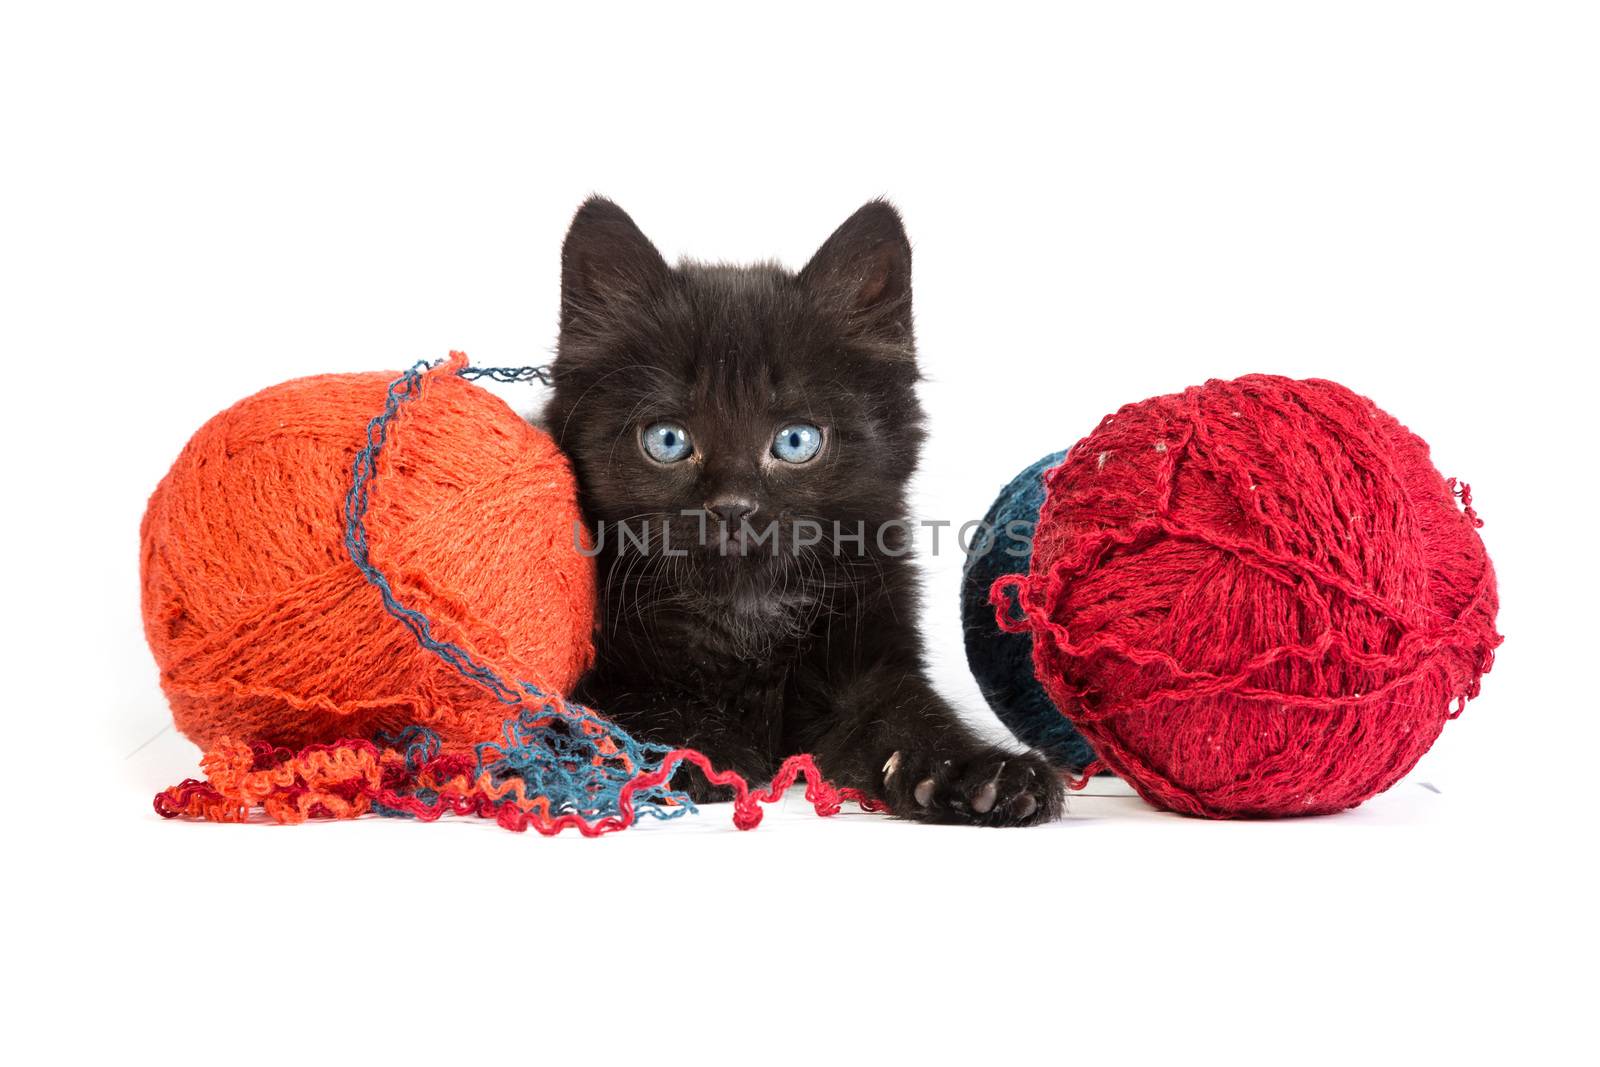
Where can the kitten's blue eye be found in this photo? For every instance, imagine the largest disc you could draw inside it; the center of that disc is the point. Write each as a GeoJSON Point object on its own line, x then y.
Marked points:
{"type": "Point", "coordinates": [667, 442]}
{"type": "Point", "coordinates": [797, 443]}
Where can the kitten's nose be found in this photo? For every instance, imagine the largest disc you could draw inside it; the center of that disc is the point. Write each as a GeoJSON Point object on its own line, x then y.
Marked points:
{"type": "Point", "coordinates": [731, 511]}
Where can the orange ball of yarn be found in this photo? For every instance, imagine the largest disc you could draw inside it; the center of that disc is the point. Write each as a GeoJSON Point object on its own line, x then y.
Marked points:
{"type": "Point", "coordinates": [263, 627]}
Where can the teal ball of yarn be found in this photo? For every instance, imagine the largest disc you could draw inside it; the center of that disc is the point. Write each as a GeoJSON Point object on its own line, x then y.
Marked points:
{"type": "Point", "coordinates": [1001, 662]}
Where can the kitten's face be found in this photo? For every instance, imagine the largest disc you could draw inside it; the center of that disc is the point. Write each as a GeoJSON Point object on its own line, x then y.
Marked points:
{"type": "Point", "coordinates": [751, 398]}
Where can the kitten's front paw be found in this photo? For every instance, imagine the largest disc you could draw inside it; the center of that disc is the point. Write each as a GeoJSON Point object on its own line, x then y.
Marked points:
{"type": "Point", "coordinates": [987, 786]}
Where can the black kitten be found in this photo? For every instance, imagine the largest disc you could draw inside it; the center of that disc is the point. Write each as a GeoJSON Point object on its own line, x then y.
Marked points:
{"type": "Point", "coordinates": [742, 438]}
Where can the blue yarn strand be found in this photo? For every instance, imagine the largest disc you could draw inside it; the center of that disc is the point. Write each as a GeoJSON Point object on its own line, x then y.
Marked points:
{"type": "Point", "coordinates": [543, 741]}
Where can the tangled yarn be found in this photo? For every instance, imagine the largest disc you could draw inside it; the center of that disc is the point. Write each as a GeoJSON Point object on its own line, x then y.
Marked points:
{"type": "Point", "coordinates": [1256, 597]}
{"type": "Point", "coordinates": [390, 616]}
{"type": "Point", "coordinates": [410, 776]}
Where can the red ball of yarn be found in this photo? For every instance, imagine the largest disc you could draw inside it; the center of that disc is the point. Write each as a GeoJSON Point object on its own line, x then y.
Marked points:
{"type": "Point", "coordinates": [265, 630]}
{"type": "Point", "coordinates": [1256, 597]}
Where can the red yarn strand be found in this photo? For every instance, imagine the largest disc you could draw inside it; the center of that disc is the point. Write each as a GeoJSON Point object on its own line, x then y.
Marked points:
{"type": "Point", "coordinates": [350, 778]}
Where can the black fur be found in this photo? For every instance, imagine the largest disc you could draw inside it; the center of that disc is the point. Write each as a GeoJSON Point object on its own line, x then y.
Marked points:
{"type": "Point", "coordinates": [749, 650]}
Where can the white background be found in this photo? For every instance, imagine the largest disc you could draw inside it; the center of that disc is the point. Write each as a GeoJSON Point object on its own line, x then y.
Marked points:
{"type": "Point", "coordinates": [1106, 202]}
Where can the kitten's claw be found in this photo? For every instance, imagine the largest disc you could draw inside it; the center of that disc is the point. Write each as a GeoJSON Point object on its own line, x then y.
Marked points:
{"type": "Point", "coordinates": [991, 787]}
{"type": "Point", "coordinates": [890, 766]}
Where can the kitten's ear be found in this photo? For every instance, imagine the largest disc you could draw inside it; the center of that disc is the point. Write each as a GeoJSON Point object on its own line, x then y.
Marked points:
{"type": "Point", "coordinates": [604, 256]}
{"type": "Point", "coordinates": [865, 267]}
